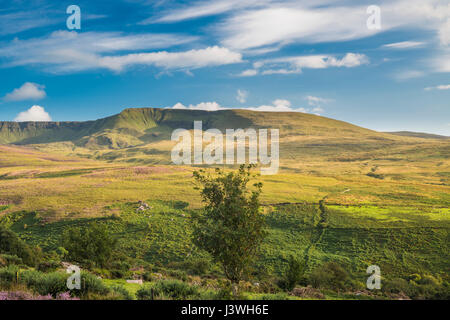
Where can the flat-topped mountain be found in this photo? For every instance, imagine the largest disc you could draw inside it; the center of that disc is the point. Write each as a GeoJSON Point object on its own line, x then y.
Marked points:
{"type": "Point", "coordinates": [139, 126]}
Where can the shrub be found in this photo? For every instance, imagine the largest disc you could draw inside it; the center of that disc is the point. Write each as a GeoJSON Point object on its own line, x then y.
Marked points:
{"type": "Point", "coordinates": [90, 284]}
{"type": "Point", "coordinates": [12, 245]}
{"type": "Point", "coordinates": [178, 274]}
{"type": "Point", "coordinates": [294, 274]}
{"type": "Point", "coordinates": [92, 245]}
{"type": "Point", "coordinates": [44, 283]}
{"type": "Point", "coordinates": [8, 259]}
{"type": "Point", "coordinates": [48, 266]}
{"type": "Point", "coordinates": [197, 266]}
{"type": "Point", "coordinates": [121, 292]}
{"type": "Point", "coordinates": [8, 276]}
{"type": "Point", "coordinates": [172, 289]}
{"type": "Point", "coordinates": [276, 296]}
{"type": "Point", "coordinates": [329, 276]}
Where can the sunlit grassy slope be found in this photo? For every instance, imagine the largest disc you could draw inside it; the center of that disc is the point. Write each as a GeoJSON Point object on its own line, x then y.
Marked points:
{"type": "Point", "coordinates": [72, 169]}
{"type": "Point", "coordinates": [387, 195]}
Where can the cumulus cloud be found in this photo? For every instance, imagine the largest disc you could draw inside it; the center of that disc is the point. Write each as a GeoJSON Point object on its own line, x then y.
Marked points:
{"type": "Point", "coordinates": [242, 96]}
{"type": "Point", "coordinates": [35, 113]}
{"type": "Point", "coordinates": [278, 105]}
{"type": "Point", "coordinates": [205, 106]}
{"type": "Point", "coordinates": [440, 87]}
{"type": "Point", "coordinates": [28, 91]}
{"type": "Point", "coordinates": [294, 65]}
{"type": "Point", "coordinates": [65, 51]}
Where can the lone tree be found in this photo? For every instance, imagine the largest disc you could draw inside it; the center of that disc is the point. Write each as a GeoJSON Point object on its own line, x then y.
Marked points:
{"type": "Point", "coordinates": [92, 245]}
{"type": "Point", "coordinates": [231, 227]}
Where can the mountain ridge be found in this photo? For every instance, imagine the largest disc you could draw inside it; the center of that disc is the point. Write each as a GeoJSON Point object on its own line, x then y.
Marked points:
{"type": "Point", "coordinates": [139, 126]}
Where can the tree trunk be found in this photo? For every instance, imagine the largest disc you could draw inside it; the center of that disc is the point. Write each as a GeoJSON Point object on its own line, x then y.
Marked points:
{"type": "Point", "coordinates": [235, 289]}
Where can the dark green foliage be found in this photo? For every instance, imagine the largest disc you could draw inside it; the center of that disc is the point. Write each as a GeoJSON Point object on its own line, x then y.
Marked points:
{"type": "Point", "coordinates": [8, 259]}
{"type": "Point", "coordinates": [196, 266]}
{"type": "Point", "coordinates": [48, 266]}
{"type": "Point", "coordinates": [12, 245]}
{"type": "Point", "coordinates": [8, 276]}
{"type": "Point", "coordinates": [90, 284]}
{"type": "Point", "coordinates": [172, 289]}
{"type": "Point", "coordinates": [417, 287]}
{"type": "Point", "coordinates": [52, 283]}
{"type": "Point", "coordinates": [294, 275]}
{"type": "Point", "coordinates": [329, 276]}
{"type": "Point", "coordinates": [92, 245]}
{"type": "Point", "coordinates": [120, 269]}
{"type": "Point", "coordinates": [121, 292]}
{"type": "Point", "coordinates": [231, 228]}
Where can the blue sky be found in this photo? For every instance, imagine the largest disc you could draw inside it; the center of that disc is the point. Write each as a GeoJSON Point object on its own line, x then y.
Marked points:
{"type": "Point", "coordinates": [309, 56]}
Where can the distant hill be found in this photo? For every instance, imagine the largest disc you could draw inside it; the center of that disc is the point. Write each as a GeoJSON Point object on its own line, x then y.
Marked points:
{"type": "Point", "coordinates": [418, 135]}
{"type": "Point", "coordinates": [133, 127]}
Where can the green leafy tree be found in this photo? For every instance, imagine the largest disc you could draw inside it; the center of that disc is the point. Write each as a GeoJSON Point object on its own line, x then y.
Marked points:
{"type": "Point", "coordinates": [11, 244]}
{"type": "Point", "coordinates": [294, 275]}
{"type": "Point", "coordinates": [231, 228]}
{"type": "Point", "coordinates": [91, 245]}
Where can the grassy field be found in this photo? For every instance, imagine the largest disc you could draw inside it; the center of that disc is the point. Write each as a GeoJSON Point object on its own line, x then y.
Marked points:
{"type": "Point", "coordinates": [387, 197]}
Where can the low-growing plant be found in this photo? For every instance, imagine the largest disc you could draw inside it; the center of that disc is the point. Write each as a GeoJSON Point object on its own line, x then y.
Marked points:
{"type": "Point", "coordinates": [172, 289]}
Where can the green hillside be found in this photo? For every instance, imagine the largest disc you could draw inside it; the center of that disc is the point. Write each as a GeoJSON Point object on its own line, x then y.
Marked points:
{"type": "Point", "coordinates": [141, 126]}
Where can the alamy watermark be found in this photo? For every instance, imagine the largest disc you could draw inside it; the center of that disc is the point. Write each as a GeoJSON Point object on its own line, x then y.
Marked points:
{"type": "Point", "coordinates": [374, 20]}
{"type": "Point", "coordinates": [207, 147]}
{"type": "Point", "coordinates": [73, 22]}
{"type": "Point", "coordinates": [374, 280]}
{"type": "Point", "coordinates": [74, 280]}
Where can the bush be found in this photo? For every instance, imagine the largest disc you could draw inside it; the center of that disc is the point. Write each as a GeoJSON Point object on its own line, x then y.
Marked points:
{"type": "Point", "coordinates": [48, 266]}
{"type": "Point", "coordinates": [178, 274]}
{"type": "Point", "coordinates": [329, 276]}
{"type": "Point", "coordinates": [121, 292]}
{"type": "Point", "coordinates": [90, 284]}
{"type": "Point", "coordinates": [276, 296]}
{"type": "Point", "coordinates": [196, 266]}
{"type": "Point", "coordinates": [294, 274]}
{"type": "Point", "coordinates": [12, 245]}
{"type": "Point", "coordinates": [8, 276]}
{"type": "Point", "coordinates": [172, 289]}
{"type": "Point", "coordinates": [92, 245]}
{"type": "Point", "coordinates": [45, 283]}
{"type": "Point", "coordinates": [8, 259]}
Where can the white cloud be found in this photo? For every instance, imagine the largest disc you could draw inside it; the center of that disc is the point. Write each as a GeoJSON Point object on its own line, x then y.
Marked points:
{"type": "Point", "coordinates": [35, 113]}
{"type": "Point", "coordinates": [283, 105]}
{"type": "Point", "coordinates": [444, 33]}
{"type": "Point", "coordinates": [242, 96]}
{"type": "Point", "coordinates": [317, 101]}
{"type": "Point", "coordinates": [65, 51]}
{"type": "Point", "coordinates": [28, 91]}
{"type": "Point", "coordinates": [192, 59]}
{"type": "Point", "coordinates": [404, 45]}
{"type": "Point", "coordinates": [440, 87]}
{"type": "Point", "coordinates": [279, 105]}
{"type": "Point", "coordinates": [206, 106]}
{"type": "Point", "coordinates": [326, 21]}
{"type": "Point", "coordinates": [441, 61]}
{"type": "Point", "coordinates": [248, 73]}
{"type": "Point", "coordinates": [294, 65]}
{"type": "Point", "coordinates": [408, 74]}
{"type": "Point", "coordinates": [201, 9]}
{"type": "Point", "coordinates": [16, 22]}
